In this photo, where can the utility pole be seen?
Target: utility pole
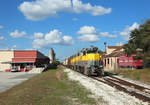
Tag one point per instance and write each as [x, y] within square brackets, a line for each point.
[105, 46]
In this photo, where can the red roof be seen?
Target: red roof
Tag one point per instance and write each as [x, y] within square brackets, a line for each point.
[27, 56]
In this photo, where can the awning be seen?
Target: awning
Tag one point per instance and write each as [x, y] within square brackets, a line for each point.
[8, 62]
[21, 62]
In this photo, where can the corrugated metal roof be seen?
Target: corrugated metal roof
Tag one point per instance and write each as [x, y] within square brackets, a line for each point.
[114, 47]
[115, 54]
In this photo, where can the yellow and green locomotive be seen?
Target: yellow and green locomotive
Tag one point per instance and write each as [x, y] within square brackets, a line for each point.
[87, 61]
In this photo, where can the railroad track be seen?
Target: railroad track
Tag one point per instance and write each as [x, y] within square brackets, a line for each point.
[132, 89]
[139, 92]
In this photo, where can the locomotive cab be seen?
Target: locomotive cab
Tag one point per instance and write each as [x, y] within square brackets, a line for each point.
[94, 65]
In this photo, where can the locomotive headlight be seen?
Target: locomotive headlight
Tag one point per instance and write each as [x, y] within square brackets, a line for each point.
[89, 67]
[101, 66]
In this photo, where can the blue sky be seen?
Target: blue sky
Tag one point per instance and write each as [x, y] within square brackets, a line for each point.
[68, 25]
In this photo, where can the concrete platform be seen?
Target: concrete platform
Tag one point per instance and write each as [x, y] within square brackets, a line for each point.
[10, 79]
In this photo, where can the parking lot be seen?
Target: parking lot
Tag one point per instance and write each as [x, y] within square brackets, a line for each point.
[10, 79]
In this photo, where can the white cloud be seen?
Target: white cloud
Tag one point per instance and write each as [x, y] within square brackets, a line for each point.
[75, 19]
[41, 9]
[39, 43]
[108, 35]
[1, 26]
[17, 34]
[67, 40]
[53, 37]
[14, 47]
[89, 34]
[36, 35]
[2, 38]
[89, 38]
[126, 33]
[87, 30]
[79, 7]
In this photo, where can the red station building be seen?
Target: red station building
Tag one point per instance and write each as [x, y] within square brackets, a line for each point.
[26, 60]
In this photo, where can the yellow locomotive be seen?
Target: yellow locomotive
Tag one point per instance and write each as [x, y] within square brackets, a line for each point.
[87, 61]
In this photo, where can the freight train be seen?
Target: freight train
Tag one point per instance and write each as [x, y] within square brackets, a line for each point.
[88, 61]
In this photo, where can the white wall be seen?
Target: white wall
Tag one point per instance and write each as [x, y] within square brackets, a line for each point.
[5, 56]
[113, 65]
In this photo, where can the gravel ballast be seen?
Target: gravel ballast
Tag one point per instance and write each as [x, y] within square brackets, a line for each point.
[109, 94]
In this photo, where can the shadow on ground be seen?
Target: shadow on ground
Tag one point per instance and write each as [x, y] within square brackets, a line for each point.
[50, 67]
[109, 74]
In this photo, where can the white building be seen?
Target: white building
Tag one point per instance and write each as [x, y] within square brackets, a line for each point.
[5, 57]
[111, 56]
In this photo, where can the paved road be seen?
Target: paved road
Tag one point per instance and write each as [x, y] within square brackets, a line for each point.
[8, 79]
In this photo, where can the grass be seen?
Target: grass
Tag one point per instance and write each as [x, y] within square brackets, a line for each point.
[48, 88]
[142, 75]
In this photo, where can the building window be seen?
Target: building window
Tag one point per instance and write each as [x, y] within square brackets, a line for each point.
[117, 61]
[111, 61]
[105, 62]
[108, 61]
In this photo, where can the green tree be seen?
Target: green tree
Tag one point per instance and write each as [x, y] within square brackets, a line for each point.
[56, 63]
[140, 38]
